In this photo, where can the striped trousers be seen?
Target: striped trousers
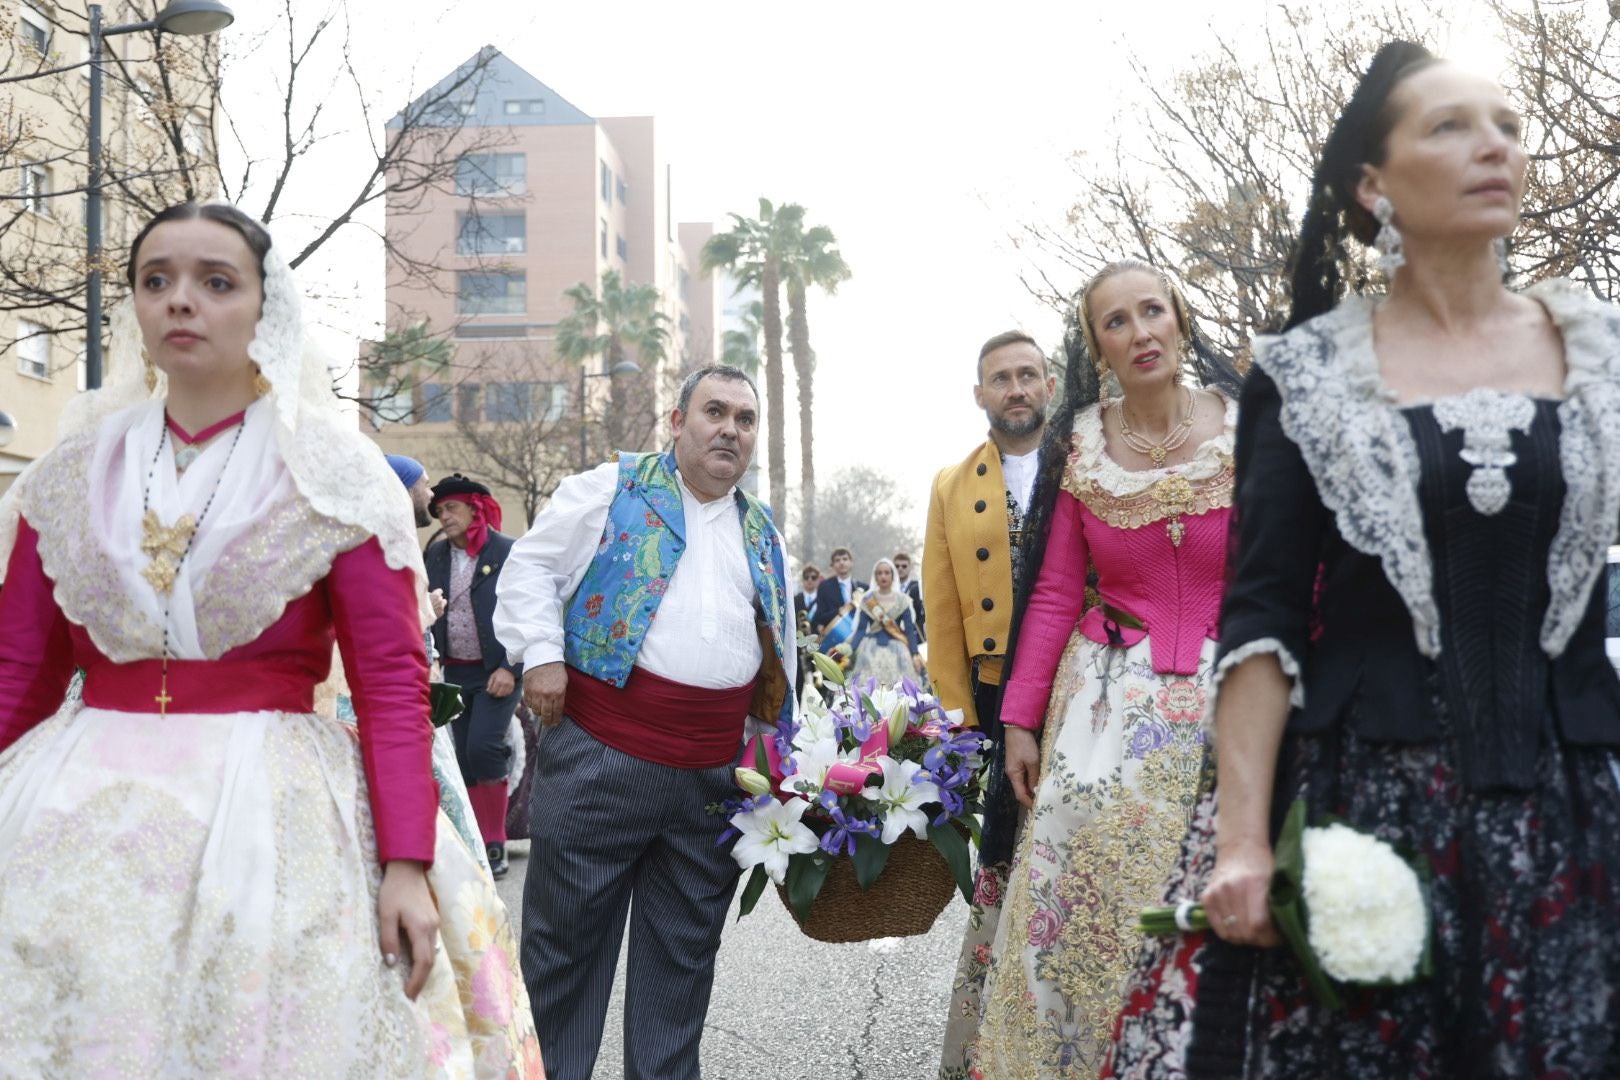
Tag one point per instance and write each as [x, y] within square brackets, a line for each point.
[615, 836]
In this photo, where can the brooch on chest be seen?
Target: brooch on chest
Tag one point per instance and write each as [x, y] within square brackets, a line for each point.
[1168, 499]
[1487, 419]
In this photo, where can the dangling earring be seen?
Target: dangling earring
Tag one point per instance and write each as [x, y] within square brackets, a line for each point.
[1388, 241]
[151, 371]
[1501, 247]
[261, 385]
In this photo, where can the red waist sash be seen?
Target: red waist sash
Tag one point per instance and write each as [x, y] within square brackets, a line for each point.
[201, 686]
[657, 720]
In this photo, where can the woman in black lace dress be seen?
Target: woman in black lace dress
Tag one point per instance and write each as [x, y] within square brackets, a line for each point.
[1411, 640]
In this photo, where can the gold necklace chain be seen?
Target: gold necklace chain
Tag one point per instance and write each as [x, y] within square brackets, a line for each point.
[1157, 452]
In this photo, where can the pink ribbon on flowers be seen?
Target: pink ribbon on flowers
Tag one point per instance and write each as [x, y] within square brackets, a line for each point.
[848, 779]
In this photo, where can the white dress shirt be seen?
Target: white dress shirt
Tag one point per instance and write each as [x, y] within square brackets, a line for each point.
[1018, 471]
[703, 633]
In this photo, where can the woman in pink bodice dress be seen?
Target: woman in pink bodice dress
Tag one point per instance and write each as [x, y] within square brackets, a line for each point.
[1105, 705]
[198, 875]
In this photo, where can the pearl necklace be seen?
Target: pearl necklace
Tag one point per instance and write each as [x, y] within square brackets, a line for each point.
[1157, 452]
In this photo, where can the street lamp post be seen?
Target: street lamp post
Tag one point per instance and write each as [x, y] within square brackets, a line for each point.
[185, 17]
[623, 367]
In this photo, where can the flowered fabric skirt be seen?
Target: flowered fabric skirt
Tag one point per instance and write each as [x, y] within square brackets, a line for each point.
[1525, 893]
[196, 896]
[1044, 962]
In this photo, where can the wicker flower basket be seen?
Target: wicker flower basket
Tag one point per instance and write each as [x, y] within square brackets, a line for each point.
[906, 898]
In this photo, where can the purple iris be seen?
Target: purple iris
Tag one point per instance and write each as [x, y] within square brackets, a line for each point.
[840, 839]
[730, 807]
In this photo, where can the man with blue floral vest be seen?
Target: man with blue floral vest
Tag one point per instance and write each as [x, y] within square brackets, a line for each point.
[649, 605]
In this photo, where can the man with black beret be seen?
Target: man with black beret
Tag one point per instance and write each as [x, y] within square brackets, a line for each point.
[466, 563]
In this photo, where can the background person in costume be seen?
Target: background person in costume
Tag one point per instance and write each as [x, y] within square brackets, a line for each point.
[466, 564]
[885, 642]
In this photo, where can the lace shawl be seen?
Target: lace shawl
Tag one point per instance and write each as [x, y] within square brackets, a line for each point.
[1360, 451]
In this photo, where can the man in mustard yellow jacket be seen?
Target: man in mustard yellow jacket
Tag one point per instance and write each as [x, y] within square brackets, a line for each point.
[975, 525]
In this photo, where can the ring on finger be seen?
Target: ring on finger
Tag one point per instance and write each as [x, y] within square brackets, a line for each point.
[1230, 920]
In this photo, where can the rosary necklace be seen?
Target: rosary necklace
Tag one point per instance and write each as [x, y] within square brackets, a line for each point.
[1157, 452]
[168, 545]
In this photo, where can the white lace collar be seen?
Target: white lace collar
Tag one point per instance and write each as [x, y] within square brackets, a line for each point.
[1337, 409]
[1088, 454]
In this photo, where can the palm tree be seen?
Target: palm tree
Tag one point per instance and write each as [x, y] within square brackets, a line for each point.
[753, 251]
[740, 348]
[609, 323]
[815, 261]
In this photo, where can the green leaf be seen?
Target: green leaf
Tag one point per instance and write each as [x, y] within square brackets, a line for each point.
[871, 856]
[446, 702]
[762, 763]
[1288, 909]
[955, 849]
[751, 891]
[806, 874]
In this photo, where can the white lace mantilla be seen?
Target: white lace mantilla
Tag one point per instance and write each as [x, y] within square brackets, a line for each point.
[1487, 418]
[341, 473]
[1360, 451]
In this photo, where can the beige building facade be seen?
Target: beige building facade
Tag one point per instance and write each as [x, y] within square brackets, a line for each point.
[44, 168]
[546, 198]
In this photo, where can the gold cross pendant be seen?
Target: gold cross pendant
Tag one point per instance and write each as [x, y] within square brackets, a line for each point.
[163, 697]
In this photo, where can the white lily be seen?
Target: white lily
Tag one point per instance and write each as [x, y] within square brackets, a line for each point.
[901, 797]
[770, 834]
[814, 727]
[811, 764]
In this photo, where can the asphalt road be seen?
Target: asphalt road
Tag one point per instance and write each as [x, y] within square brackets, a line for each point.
[789, 1008]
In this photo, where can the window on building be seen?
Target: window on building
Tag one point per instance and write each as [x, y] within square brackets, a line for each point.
[436, 404]
[624, 249]
[467, 106]
[469, 411]
[36, 185]
[607, 184]
[36, 30]
[509, 402]
[604, 239]
[499, 293]
[526, 107]
[556, 396]
[33, 349]
[398, 407]
[491, 174]
[490, 234]
[624, 192]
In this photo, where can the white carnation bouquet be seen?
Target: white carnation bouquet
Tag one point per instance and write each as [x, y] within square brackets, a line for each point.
[1350, 907]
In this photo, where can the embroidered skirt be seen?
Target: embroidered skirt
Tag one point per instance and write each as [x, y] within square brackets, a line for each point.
[1038, 985]
[196, 896]
[1525, 892]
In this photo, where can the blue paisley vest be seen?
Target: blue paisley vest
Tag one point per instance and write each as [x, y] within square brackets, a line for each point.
[609, 614]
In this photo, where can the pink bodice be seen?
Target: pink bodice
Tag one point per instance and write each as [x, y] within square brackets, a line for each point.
[1158, 542]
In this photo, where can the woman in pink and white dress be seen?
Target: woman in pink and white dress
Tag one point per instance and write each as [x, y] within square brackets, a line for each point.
[1104, 744]
[198, 875]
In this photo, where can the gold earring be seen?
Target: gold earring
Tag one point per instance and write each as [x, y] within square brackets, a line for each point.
[151, 371]
[261, 385]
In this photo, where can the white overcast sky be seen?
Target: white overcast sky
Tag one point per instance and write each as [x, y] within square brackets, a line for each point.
[923, 134]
